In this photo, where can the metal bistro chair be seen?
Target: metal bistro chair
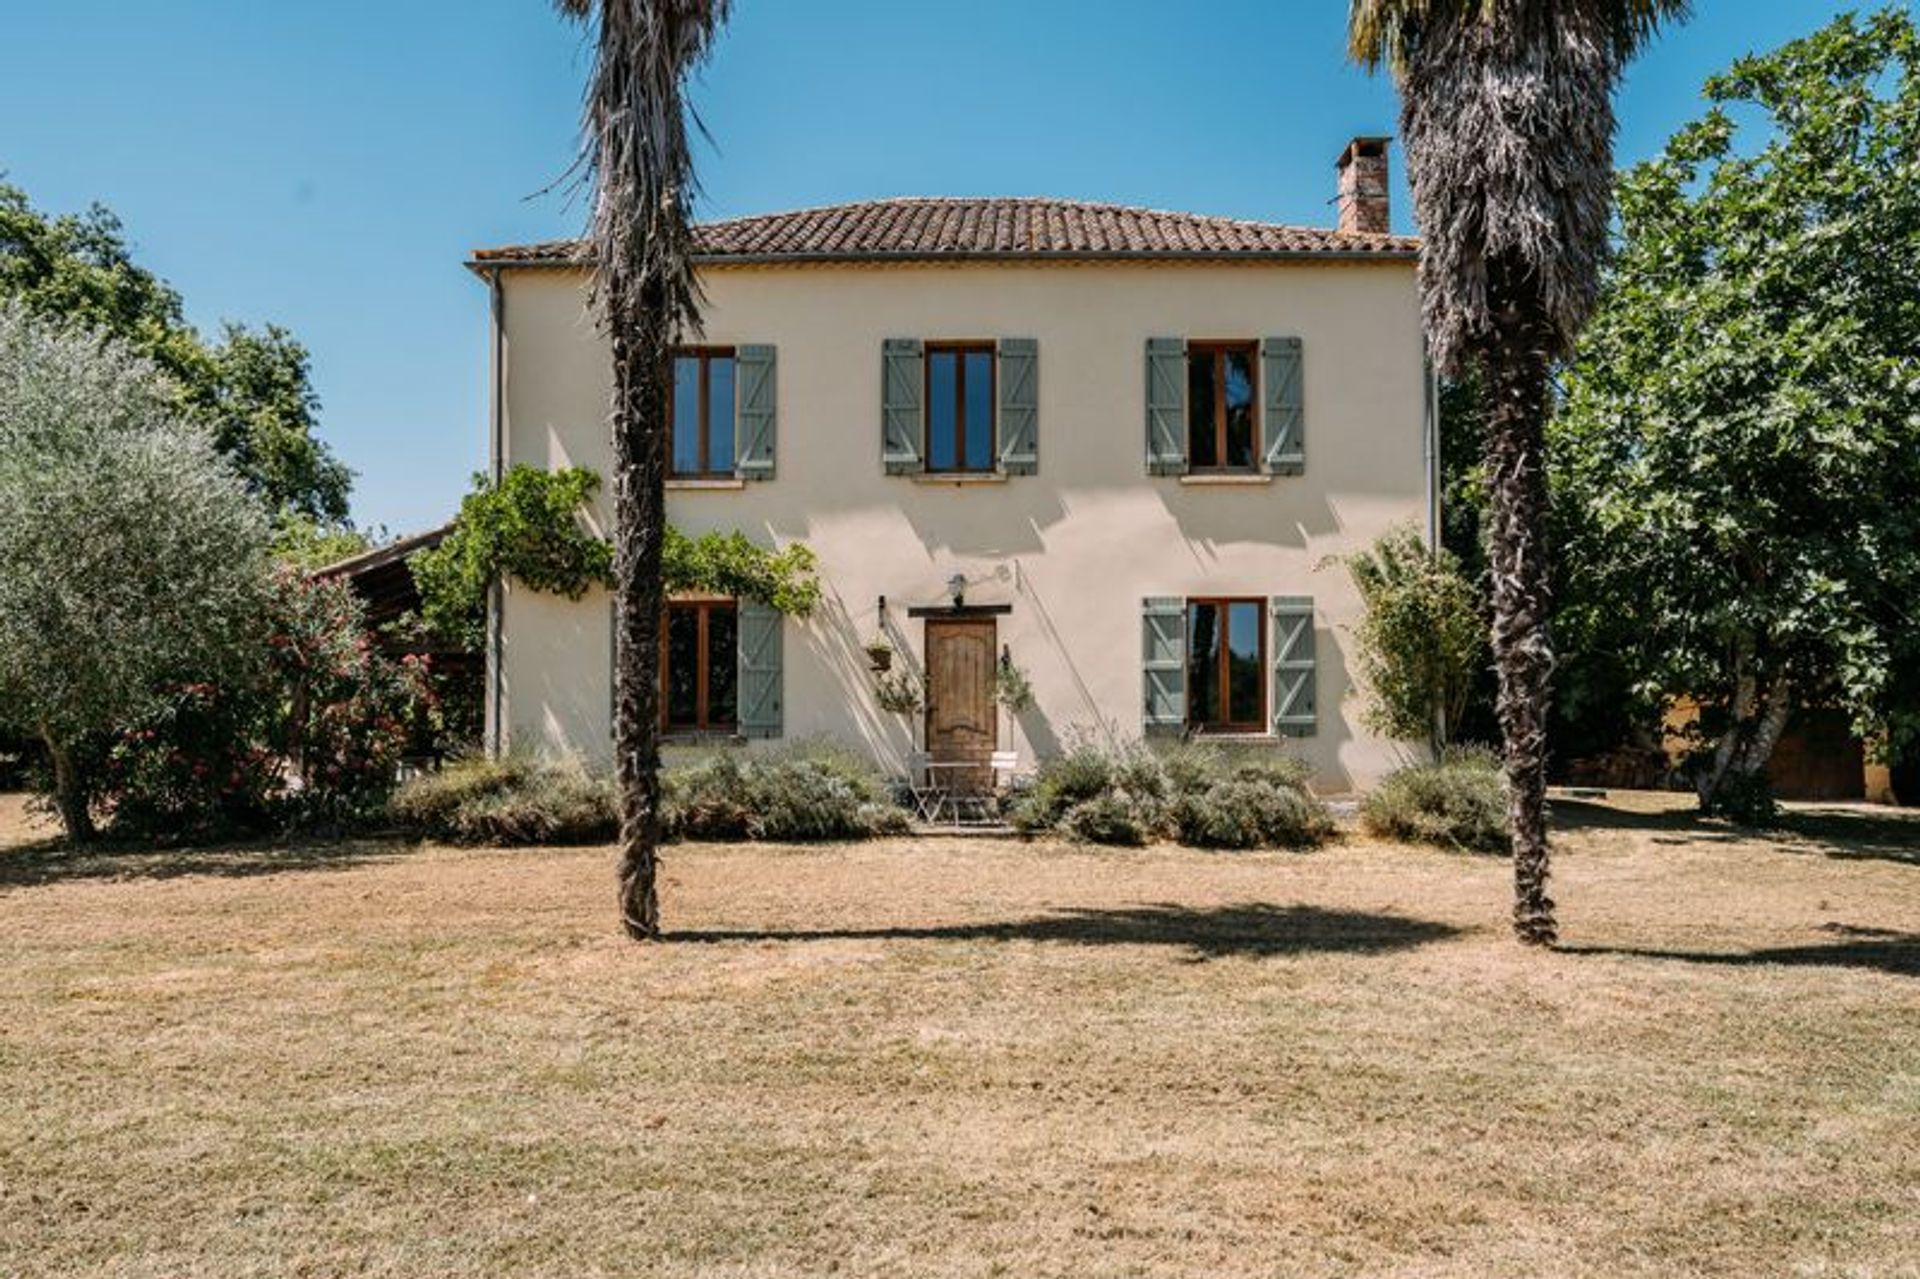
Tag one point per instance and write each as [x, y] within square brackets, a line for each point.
[928, 796]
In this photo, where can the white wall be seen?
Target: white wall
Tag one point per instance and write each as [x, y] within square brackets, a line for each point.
[1072, 549]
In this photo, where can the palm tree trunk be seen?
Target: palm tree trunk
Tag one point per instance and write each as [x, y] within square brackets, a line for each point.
[640, 353]
[1514, 364]
[69, 791]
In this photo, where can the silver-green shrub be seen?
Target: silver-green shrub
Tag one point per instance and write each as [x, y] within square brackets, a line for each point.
[130, 551]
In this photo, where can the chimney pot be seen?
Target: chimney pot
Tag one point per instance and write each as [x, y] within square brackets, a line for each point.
[1364, 204]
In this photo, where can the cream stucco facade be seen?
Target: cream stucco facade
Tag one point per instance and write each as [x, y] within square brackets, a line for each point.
[1072, 550]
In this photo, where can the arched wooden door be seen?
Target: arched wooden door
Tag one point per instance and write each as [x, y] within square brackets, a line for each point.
[962, 728]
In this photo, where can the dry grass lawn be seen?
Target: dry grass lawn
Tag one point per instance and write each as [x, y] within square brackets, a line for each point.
[962, 1058]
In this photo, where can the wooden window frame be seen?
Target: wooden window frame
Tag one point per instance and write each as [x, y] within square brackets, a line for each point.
[703, 609]
[1216, 349]
[1223, 605]
[960, 350]
[704, 415]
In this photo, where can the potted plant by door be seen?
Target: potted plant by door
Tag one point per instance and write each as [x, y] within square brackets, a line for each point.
[879, 654]
[899, 693]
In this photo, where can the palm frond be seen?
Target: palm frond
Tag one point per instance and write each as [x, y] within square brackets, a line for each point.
[1385, 31]
[635, 156]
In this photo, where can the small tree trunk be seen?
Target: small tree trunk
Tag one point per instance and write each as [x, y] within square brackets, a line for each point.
[70, 794]
[640, 353]
[1773, 722]
[1745, 691]
[1515, 370]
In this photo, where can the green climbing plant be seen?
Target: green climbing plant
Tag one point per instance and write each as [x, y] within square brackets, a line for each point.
[529, 527]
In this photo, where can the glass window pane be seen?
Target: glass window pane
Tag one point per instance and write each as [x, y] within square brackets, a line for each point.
[979, 407]
[720, 414]
[942, 429]
[1203, 664]
[683, 668]
[722, 669]
[686, 414]
[1239, 389]
[1244, 663]
[1202, 443]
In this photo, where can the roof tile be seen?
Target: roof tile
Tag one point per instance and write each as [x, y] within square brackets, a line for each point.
[927, 229]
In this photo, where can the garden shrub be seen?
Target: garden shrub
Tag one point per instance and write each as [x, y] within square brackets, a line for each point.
[1108, 818]
[1201, 793]
[1460, 803]
[310, 733]
[1252, 812]
[808, 792]
[513, 800]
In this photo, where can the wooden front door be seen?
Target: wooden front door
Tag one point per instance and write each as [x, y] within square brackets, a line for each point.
[962, 727]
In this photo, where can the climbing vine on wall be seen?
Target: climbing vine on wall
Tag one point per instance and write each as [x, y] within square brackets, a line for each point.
[528, 527]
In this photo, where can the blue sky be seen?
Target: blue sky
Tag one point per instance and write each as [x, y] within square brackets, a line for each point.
[328, 166]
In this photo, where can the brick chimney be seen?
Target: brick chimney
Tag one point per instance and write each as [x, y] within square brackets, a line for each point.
[1363, 186]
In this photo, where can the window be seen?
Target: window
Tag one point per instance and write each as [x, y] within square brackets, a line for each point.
[1227, 665]
[701, 413]
[959, 406]
[1220, 405]
[698, 676]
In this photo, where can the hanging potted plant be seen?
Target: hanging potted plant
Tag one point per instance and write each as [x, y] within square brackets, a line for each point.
[1011, 687]
[879, 654]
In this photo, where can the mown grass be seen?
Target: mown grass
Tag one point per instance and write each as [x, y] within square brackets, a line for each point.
[963, 1058]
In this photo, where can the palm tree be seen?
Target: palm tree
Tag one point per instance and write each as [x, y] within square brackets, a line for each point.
[1506, 112]
[639, 169]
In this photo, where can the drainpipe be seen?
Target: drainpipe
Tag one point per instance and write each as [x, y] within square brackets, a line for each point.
[1430, 448]
[497, 464]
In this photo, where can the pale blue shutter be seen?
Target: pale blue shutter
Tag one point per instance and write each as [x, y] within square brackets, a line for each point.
[1283, 424]
[760, 675]
[1290, 641]
[1164, 663]
[901, 374]
[1166, 406]
[1019, 378]
[753, 433]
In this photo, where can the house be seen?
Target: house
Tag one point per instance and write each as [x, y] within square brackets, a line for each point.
[1110, 447]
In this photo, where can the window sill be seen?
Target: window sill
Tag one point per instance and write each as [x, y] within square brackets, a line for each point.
[697, 485]
[959, 479]
[695, 737]
[1226, 480]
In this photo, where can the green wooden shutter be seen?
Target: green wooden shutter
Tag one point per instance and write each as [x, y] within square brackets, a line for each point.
[1290, 640]
[760, 676]
[900, 398]
[1166, 406]
[753, 428]
[1019, 378]
[1164, 663]
[1284, 421]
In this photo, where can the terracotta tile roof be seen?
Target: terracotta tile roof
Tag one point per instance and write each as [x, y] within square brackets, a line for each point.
[921, 229]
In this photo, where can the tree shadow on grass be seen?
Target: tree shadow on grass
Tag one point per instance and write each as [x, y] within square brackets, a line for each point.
[1847, 833]
[53, 861]
[1877, 949]
[1253, 929]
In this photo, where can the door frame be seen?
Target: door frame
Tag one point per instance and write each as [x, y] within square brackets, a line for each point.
[967, 619]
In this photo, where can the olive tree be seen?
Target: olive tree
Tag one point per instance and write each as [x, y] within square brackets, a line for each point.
[129, 550]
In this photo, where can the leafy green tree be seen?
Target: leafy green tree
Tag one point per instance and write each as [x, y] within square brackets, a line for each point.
[1422, 641]
[1739, 455]
[1506, 111]
[129, 549]
[302, 542]
[252, 389]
